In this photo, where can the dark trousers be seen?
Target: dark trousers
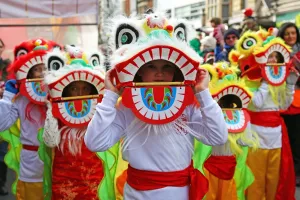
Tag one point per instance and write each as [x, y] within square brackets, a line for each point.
[3, 167]
[293, 125]
[3, 171]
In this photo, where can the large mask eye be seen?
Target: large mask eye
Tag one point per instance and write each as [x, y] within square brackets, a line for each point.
[94, 60]
[180, 32]
[248, 43]
[21, 52]
[55, 63]
[126, 34]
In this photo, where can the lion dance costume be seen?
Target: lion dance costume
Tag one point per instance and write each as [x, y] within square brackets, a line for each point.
[29, 106]
[226, 168]
[158, 121]
[76, 171]
[272, 163]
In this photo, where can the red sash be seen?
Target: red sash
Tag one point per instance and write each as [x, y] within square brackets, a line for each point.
[287, 182]
[150, 180]
[267, 118]
[30, 147]
[222, 167]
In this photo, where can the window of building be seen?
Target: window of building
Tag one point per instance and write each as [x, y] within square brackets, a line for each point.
[192, 11]
[212, 9]
[169, 13]
[226, 10]
[243, 4]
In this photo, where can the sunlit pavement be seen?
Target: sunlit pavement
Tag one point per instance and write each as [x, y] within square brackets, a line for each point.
[11, 176]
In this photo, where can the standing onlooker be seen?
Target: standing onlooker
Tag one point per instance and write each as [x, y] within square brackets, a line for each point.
[3, 62]
[3, 145]
[208, 45]
[208, 42]
[196, 44]
[230, 37]
[249, 22]
[219, 30]
[290, 34]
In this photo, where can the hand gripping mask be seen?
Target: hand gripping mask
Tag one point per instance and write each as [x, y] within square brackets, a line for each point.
[139, 42]
[28, 55]
[74, 110]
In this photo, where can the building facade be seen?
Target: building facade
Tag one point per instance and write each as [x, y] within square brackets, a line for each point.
[286, 11]
[137, 6]
[218, 8]
[278, 11]
[238, 7]
[192, 10]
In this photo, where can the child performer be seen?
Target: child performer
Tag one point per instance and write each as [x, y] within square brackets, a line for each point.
[24, 98]
[226, 167]
[265, 60]
[76, 86]
[157, 75]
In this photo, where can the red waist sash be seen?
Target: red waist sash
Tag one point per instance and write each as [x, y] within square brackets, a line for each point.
[222, 167]
[150, 180]
[267, 118]
[30, 147]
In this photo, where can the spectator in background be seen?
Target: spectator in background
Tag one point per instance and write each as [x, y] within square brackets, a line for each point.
[230, 37]
[219, 30]
[208, 45]
[3, 62]
[290, 34]
[249, 22]
[3, 145]
[196, 44]
[209, 56]
[208, 42]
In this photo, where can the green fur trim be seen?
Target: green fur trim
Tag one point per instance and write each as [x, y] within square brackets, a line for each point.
[45, 154]
[243, 176]
[12, 158]
[106, 190]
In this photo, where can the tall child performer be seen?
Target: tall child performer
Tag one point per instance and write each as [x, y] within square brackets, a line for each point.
[24, 98]
[264, 59]
[75, 85]
[157, 75]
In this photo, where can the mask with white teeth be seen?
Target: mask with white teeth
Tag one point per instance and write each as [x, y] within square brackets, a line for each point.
[137, 42]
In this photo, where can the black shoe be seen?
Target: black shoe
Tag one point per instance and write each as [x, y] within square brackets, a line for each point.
[3, 191]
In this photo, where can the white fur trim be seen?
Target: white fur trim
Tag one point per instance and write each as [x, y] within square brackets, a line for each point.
[51, 134]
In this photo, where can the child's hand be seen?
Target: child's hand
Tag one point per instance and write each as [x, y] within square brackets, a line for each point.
[108, 82]
[11, 86]
[202, 81]
[293, 76]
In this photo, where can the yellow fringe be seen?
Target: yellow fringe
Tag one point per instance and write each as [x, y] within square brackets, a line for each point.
[278, 93]
[236, 148]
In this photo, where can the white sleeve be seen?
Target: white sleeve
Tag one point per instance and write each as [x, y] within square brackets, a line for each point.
[260, 96]
[208, 121]
[289, 96]
[107, 126]
[8, 111]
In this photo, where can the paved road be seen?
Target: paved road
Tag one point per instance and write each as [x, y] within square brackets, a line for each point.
[11, 197]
